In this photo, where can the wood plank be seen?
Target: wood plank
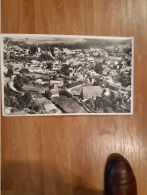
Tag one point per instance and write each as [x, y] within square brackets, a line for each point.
[10, 10]
[26, 156]
[89, 17]
[6, 156]
[49, 17]
[8, 192]
[74, 17]
[55, 135]
[26, 16]
[107, 18]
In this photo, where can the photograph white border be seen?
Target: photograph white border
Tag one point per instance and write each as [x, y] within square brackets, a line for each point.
[67, 36]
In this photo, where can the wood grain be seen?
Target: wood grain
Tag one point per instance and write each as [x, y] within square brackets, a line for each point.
[49, 17]
[8, 192]
[67, 154]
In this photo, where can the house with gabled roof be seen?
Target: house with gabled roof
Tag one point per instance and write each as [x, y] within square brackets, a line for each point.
[91, 92]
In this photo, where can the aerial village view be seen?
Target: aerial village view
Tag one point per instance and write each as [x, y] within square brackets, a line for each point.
[56, 75]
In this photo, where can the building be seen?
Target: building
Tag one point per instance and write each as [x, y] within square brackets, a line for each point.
[35, 62]
[113, 73]
[67, 51]
[91, 92]
[56, 84]
[116, 86]
[54, 93]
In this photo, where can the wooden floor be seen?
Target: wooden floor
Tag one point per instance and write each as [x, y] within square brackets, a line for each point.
[66, 155]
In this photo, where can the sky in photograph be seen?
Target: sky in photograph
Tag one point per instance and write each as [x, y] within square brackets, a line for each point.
[39, 40]
[68, 40]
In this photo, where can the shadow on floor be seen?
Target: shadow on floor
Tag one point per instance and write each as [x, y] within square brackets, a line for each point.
[50, 179]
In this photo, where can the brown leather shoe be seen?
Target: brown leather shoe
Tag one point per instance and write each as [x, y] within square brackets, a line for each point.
[119, 177]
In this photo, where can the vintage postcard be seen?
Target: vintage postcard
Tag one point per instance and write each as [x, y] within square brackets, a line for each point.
[66, 75]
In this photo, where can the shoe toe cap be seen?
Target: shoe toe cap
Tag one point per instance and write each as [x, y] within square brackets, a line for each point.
[121, 172]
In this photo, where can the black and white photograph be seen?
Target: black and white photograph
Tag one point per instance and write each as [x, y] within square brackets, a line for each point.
[66, 75]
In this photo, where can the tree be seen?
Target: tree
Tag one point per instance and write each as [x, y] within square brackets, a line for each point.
[65, 69]
[52, 51]
[45, 46]
[124, 79]
[98, 68]
[33, 49]
[97, 82]
[35, 106]
[65, 93]
[27, 98]
[10, 72]
[48, 94]
[24, 71]
[49, 65]
[5, 55]
[12, 56]
[127, 50]
[18, 82]
[98, 103]
[61, 58]
[6, 39]
[45, 57]
[129, 62]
